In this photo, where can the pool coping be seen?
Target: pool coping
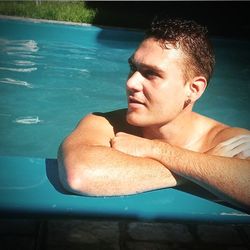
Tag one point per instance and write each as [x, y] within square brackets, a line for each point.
[37, 20]
[24, 180]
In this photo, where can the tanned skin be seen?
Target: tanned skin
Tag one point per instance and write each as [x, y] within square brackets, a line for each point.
[158, 141]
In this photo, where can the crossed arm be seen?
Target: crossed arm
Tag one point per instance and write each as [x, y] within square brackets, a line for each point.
[94, 164]
[89, 165]
[223, 170]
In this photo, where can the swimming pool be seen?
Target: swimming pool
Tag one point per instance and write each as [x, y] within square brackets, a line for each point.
[53, 74]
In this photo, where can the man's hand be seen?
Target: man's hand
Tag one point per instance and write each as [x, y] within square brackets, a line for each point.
[132, 145]
[238, 147]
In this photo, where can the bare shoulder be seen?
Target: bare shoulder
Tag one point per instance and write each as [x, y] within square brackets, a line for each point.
[231, 142]
[94, 129]
[117, 119]
[92, 122]
[226, 133]
[99, 128]
[217, 132]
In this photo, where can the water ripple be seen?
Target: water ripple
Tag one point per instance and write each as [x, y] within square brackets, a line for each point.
[19, 70]
[27, 120]
[24, 63]
[15, 82]
[24, 54]
[19, 45]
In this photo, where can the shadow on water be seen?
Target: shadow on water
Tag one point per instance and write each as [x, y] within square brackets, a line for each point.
[194, 189]
[53, 175]
[135, 14]
[189, 187]
[119, 38]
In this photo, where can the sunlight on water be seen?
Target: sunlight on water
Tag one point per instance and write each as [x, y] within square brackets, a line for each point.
[15, 82]
[50, 77]
[28, 120]
[18, 70]
[19, 45]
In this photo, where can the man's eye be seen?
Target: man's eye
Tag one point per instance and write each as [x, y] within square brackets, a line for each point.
[149, 74]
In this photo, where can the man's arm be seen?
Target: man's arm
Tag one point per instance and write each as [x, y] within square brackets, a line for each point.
[227, 177]
[88, 165]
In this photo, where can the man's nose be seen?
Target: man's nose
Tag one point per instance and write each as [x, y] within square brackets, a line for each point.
[134, 82]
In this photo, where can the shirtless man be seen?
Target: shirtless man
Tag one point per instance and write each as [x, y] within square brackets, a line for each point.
[159, 142]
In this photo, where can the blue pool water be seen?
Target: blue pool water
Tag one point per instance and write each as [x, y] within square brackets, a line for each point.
[51, 75]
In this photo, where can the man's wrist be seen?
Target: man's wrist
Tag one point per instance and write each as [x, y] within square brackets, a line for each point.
[159, 149]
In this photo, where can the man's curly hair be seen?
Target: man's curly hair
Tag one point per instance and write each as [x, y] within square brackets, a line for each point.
[191, 38]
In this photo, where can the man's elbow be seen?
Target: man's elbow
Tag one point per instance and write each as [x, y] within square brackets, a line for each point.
[71, 180]
[71, 175]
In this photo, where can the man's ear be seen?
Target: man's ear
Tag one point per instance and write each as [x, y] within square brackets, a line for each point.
[197, 87]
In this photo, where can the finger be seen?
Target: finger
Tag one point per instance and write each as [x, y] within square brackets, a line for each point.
[120, 134]
[113, 142]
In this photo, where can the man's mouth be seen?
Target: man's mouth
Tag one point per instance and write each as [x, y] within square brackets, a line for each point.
[135, 102]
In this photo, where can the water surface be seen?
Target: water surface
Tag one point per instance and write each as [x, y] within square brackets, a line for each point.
[51, 75]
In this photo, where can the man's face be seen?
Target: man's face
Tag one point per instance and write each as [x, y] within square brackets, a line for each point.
[156, 89]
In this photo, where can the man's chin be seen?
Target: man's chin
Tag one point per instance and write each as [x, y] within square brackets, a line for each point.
[133, 119]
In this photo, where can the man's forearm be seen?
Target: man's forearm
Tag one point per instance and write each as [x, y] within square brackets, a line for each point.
[224, 176]
[100, 171]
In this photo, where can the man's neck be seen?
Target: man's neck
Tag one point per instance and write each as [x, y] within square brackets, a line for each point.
[181, 132]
